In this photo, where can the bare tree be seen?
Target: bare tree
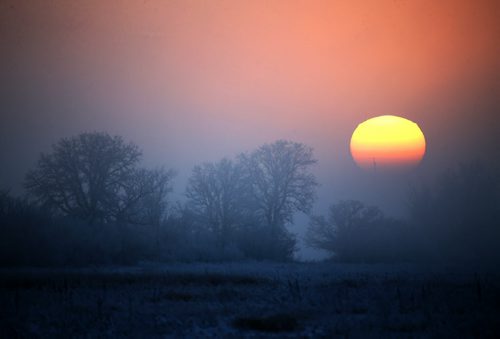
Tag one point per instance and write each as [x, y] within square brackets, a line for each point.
[280, 181]
[94, 176]
[279, 184]
[144, 199]
[214, 193]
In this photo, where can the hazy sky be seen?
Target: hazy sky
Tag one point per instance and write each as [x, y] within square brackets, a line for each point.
[193, 81]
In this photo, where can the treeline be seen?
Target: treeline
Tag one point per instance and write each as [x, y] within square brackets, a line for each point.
[90, 202]
[456, 219]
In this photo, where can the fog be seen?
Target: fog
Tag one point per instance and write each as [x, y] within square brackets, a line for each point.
[183, 169]
[191, 83]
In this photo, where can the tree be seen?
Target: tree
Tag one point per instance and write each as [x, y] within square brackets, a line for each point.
[214, 193]
[280, 184]
[280, 181]
[149, 205]
[334, 233]
[355, 232]
[144, 201]
[94, 177]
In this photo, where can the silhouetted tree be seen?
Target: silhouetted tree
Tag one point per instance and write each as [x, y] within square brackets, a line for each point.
[334, 234]
[94, 177]
[355, 232]
[214, 191]
[280, 180]
[280, 183]
[145, 197]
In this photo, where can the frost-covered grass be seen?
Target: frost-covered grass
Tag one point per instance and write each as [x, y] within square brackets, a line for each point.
[249, 299]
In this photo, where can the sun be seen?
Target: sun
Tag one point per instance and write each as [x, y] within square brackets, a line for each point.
[387, 142]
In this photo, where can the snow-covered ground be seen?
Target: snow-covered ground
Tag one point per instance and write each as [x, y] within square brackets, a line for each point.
[249, 300]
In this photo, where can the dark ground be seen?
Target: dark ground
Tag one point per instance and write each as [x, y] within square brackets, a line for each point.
[250, 300]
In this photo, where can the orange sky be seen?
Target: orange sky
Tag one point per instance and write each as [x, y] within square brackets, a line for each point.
[192, 81]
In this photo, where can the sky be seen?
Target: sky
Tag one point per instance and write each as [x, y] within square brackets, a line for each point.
[195, 81]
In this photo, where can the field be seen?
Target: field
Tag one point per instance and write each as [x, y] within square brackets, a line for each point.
[249, 300]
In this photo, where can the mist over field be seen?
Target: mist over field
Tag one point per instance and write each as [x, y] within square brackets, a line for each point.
[185, 169]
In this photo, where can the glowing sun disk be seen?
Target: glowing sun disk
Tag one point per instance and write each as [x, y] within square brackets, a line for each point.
[388, 142]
